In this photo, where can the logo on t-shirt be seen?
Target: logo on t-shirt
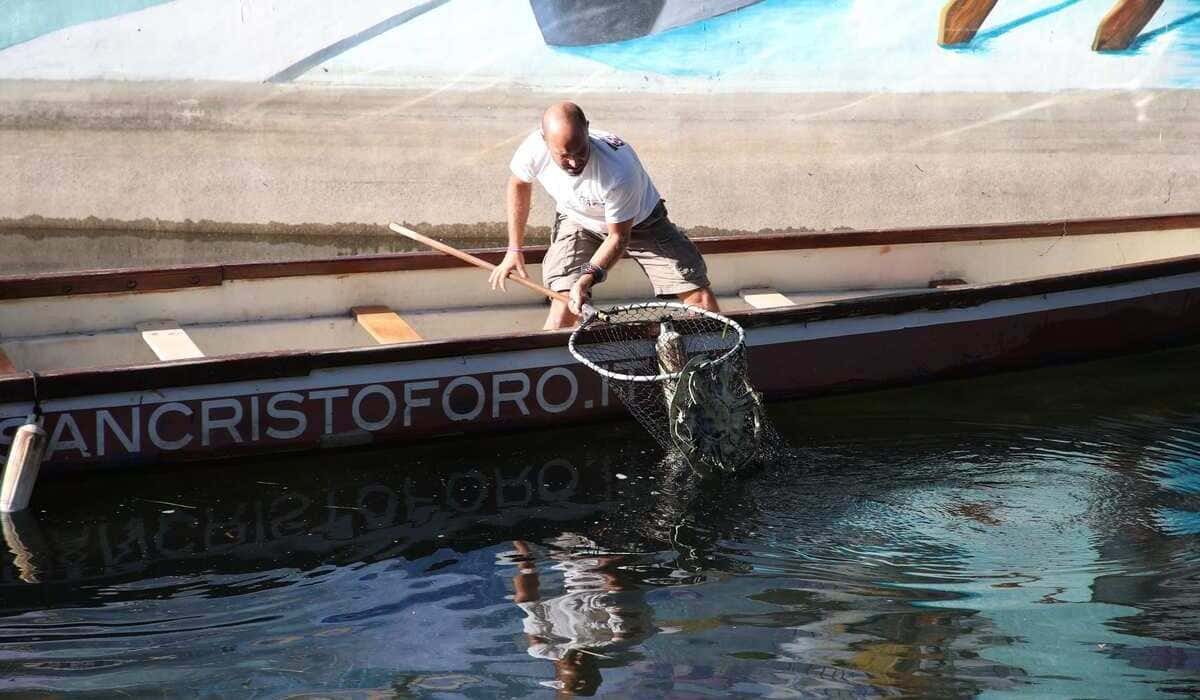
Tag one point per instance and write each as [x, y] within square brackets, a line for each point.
[588, 202]
[614, 142]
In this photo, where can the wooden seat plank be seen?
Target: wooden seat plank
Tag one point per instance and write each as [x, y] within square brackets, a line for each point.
[168, 341]
[764, 298]
[384, 325]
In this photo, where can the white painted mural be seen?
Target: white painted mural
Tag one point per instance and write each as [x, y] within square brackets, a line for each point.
[668, 45]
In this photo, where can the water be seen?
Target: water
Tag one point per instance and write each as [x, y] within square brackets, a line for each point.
[1031, 535]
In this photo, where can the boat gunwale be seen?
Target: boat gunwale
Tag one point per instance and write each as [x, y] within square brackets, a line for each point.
[138, 280]
[75, 382]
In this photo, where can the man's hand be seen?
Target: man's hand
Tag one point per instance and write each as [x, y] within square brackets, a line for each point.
[518, 199]
[512, 261]
[581, 293]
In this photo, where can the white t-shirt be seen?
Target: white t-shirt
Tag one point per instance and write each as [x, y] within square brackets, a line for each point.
[587, 615]
[612, 188]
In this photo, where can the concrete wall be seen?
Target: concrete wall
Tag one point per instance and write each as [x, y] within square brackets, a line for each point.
[214, 118]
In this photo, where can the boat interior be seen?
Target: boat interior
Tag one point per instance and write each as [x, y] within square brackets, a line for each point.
[136, 317]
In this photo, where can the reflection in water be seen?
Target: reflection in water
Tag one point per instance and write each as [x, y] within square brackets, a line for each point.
[1025, 534]
[597, 613]
[23, 537]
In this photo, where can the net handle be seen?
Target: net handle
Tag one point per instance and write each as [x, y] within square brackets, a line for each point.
[588, 309]
[728, 322]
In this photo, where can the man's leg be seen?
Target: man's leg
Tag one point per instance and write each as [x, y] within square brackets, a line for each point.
[703, 297]
[570, 247]
[671, 261]
[559, 317]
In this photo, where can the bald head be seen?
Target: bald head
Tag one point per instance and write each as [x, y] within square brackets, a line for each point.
[565, 130]
[563, 116]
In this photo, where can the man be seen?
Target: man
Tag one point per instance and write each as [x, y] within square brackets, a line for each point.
[601, 612]
[606, 206]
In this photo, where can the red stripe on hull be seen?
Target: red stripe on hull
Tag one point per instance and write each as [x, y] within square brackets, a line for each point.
[971, 348]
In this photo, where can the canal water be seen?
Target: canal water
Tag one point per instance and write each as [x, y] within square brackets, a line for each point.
[1025, 535]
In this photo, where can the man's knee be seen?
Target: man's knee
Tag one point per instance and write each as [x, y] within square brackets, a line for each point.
[559, 317]
[702, 297]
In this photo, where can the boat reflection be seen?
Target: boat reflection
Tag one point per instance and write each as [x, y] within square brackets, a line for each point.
[300, 513]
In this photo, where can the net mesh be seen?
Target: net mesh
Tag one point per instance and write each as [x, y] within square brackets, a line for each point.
[681, 371]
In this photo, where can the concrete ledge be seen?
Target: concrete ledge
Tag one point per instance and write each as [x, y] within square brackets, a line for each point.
[289, 162]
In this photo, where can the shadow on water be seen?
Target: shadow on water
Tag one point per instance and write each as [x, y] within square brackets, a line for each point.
[944, 540]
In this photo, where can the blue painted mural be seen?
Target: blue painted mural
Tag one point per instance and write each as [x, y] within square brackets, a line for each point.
[656, 45]
[769, 32]
[832, 43]
[585, 22]
[22, 20]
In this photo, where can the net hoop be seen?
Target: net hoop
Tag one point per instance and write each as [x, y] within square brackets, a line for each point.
[669, 376]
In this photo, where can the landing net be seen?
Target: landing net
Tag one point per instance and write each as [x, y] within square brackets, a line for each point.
[681, 371]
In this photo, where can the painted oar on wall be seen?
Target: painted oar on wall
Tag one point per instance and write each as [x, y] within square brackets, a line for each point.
[588, 309]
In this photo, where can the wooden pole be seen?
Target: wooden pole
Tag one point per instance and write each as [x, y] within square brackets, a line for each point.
[21, 471]
[961, 19]
[1123, 23]
[586, 308]
[471, 259]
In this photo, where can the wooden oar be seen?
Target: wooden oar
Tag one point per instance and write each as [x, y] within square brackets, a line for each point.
[588, 309]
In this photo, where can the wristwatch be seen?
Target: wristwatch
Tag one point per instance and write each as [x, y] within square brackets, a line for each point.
[597, 272]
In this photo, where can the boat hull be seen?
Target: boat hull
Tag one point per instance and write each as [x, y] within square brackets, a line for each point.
[232, 407]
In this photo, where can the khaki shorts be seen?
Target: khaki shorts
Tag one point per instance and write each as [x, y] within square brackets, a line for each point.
[668, 258]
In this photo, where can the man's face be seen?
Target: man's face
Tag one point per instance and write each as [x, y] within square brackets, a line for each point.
[578, 673]
[571, 153]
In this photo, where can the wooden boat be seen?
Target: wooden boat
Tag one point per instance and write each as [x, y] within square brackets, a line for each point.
[143, 366]
[587, 22]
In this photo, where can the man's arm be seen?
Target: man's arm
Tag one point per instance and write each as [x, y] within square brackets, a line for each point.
[614, 245]
[606, 256]
[526, 585]
[519, 196]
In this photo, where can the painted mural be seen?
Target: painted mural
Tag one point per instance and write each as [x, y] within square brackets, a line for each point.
[22, 20]
[657, 45]
[585, 22]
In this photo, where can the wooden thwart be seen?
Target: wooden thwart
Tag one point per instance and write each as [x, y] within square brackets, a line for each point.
[1123, 23]
[168, 340]
[384, 325]
[960, 20]
[764, 298]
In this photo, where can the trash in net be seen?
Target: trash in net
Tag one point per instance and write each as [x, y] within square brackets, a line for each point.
[681, 371]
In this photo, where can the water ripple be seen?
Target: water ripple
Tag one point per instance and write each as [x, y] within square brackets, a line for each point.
[947, 541]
